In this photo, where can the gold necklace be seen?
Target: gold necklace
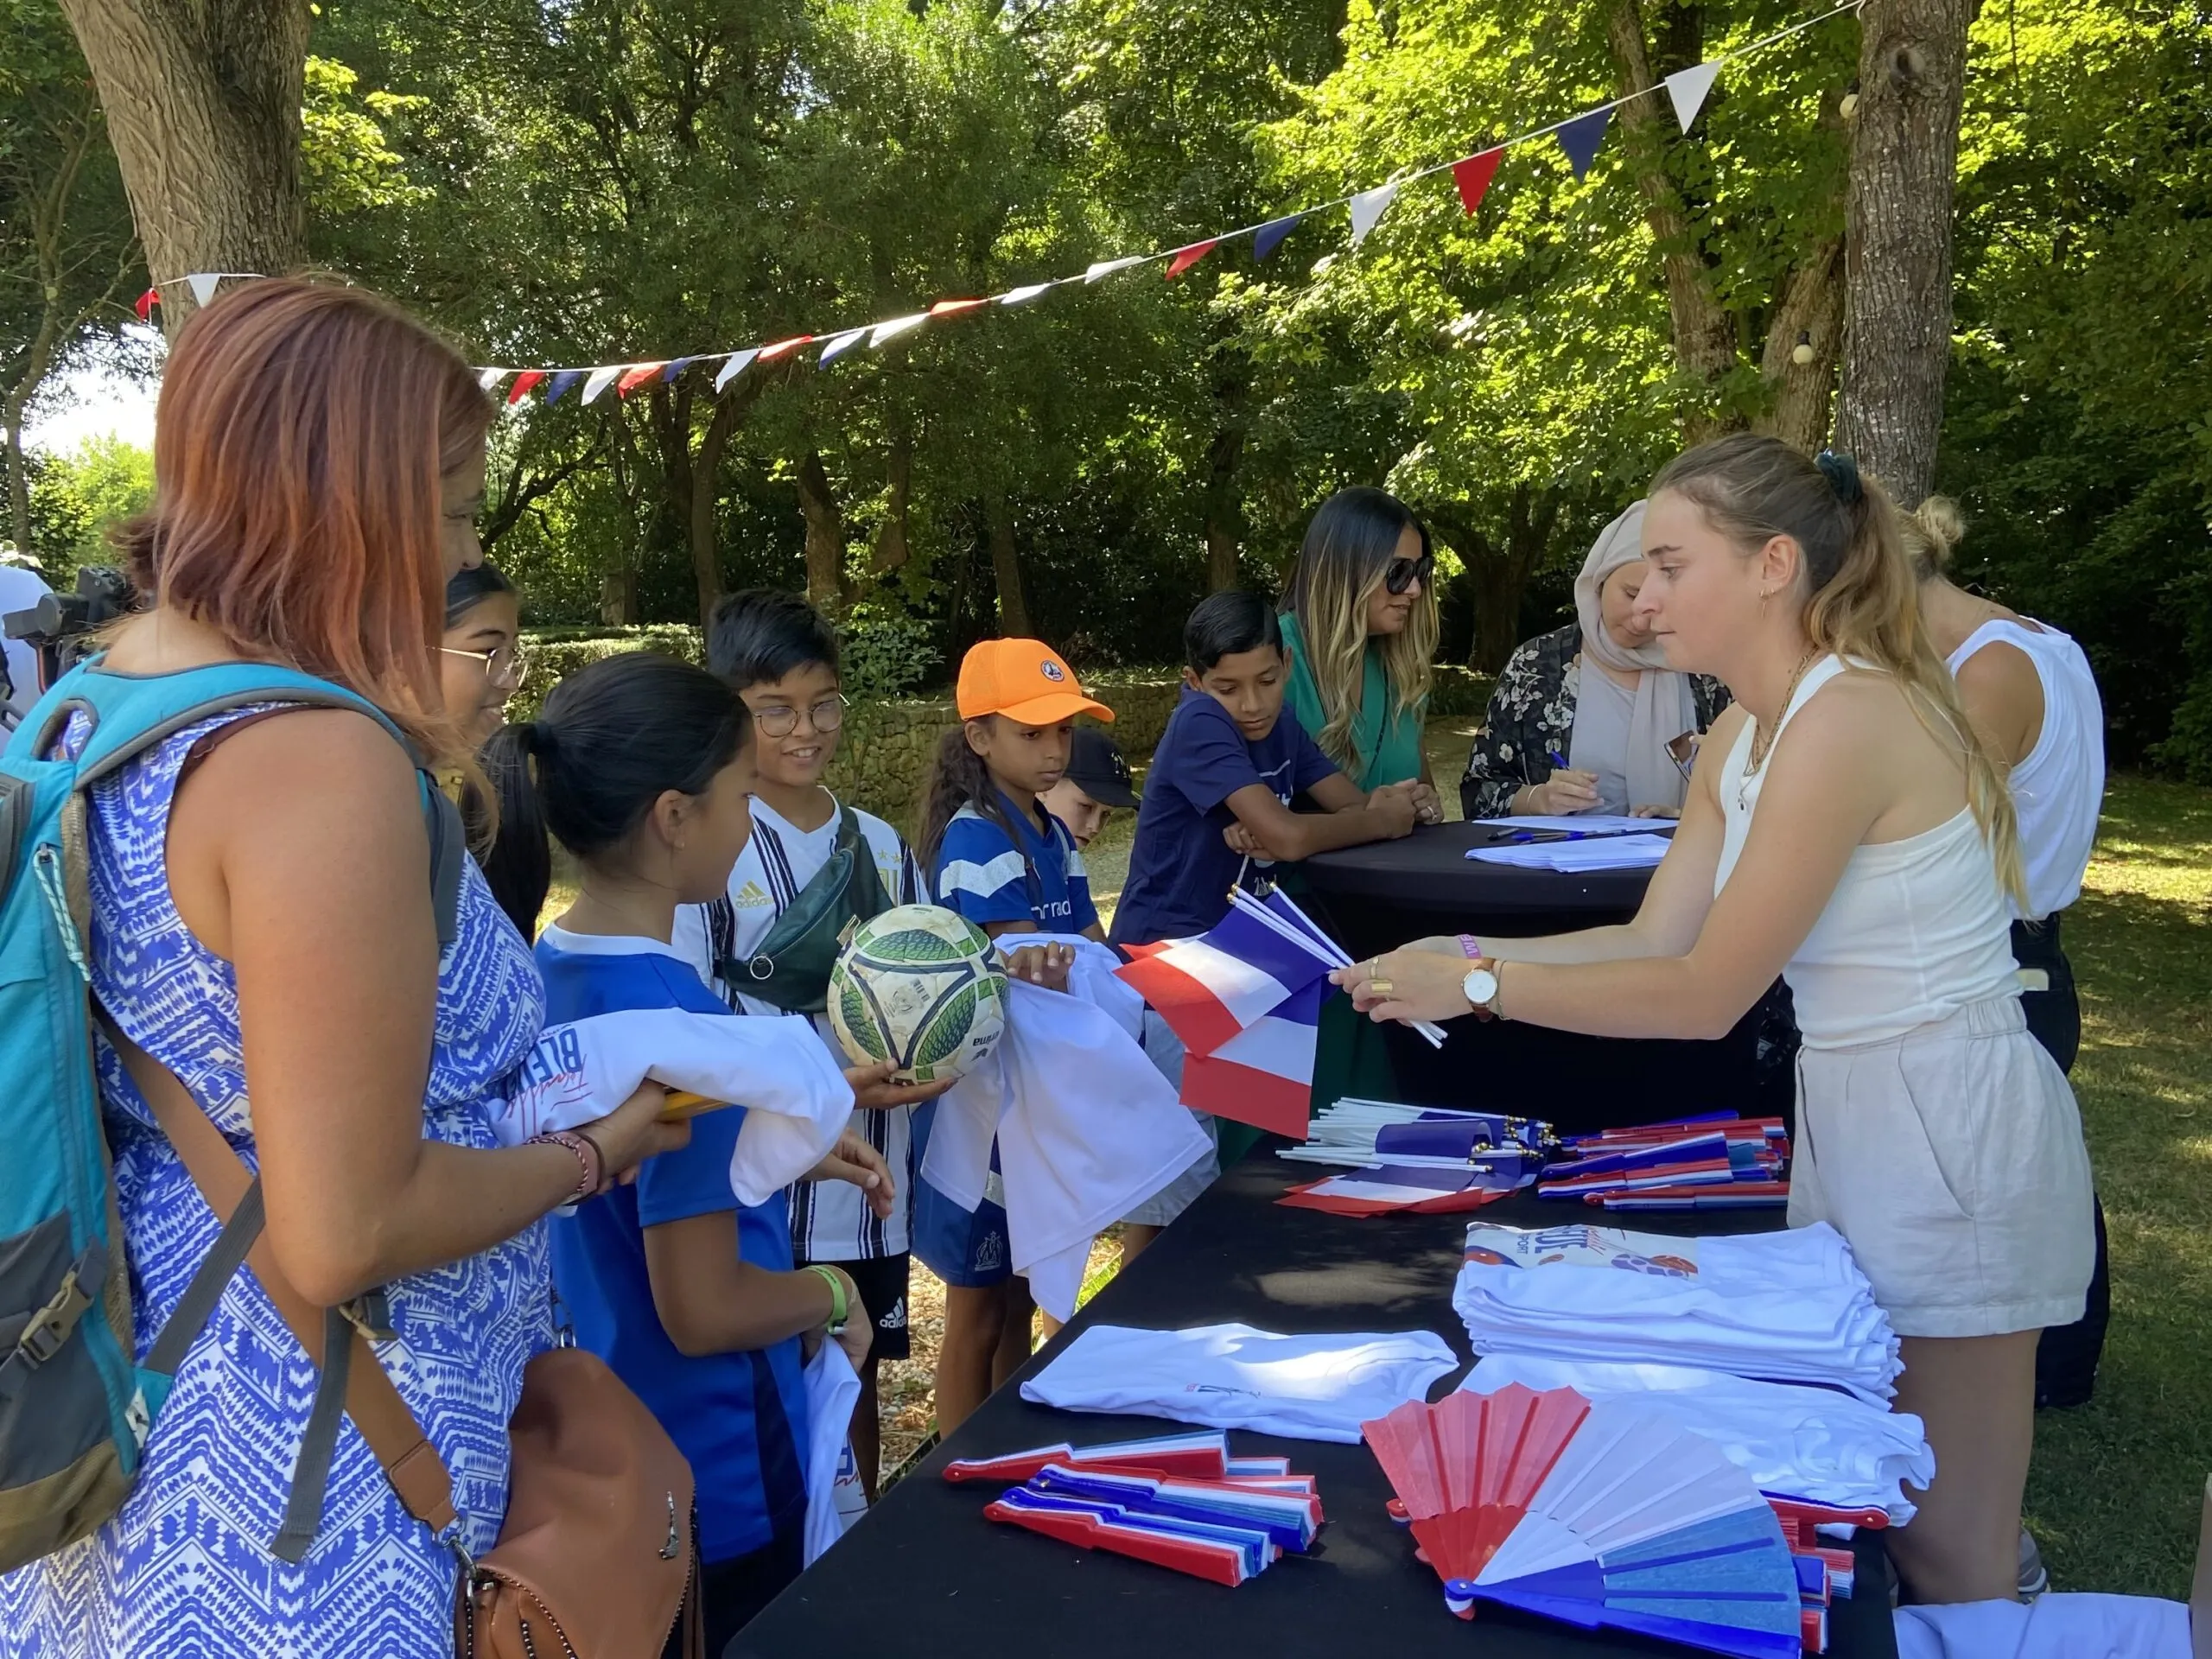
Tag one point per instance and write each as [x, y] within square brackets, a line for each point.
[1760, 750]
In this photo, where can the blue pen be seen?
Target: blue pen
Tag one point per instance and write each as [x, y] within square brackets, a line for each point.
[1558, 760]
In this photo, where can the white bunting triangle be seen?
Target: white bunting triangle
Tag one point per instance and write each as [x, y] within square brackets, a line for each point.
[202, 285]
[1107, 267]
[1687, 88]
[837, 344]
[1023, 295]
[738, 362]
[601, 379]
[1367, 207]
[491, 377]
[892, 329]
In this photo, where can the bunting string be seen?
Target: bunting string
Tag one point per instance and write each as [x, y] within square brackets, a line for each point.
[1579, 137]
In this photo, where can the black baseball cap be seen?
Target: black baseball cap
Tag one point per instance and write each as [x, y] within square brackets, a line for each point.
[1095, 766]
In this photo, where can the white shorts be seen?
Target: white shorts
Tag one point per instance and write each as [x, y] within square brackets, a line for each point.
[1951, 1158]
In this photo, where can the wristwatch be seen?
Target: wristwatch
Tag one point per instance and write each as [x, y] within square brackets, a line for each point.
[1480, 986]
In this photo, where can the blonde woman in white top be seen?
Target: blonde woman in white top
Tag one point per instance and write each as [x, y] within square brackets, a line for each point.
[1844, 827]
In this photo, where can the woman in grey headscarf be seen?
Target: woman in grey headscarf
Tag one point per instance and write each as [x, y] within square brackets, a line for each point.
[1597, 694]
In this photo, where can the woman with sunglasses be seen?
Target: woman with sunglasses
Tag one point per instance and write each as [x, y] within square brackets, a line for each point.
[1359, 627]
[1589, 718]
[480, 658]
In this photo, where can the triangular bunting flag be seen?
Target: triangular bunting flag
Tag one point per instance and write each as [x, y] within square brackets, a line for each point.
[1580, 137]
[561, 382]
[1473, 175]
[896, 327]
[837, 344]
[202, 285]
[1023, 295]
[602, 378]
[1107, 267]
[1269, 236]
[675, 366]
[1185, 257]
[736, 364]
[147, 302]
[1367, 207]
[523, 381]
[1687, 88]
[633, 376]
[783, 348]
[951, 308]
[490, 378]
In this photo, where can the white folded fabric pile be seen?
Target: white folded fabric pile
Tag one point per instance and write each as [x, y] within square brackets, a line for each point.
[1790, 1306]
[1812, 1443]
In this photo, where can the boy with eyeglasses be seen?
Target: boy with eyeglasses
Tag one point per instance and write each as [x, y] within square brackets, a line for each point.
[766, 946]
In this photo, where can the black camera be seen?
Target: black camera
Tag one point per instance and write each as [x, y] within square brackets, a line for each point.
[60, 627]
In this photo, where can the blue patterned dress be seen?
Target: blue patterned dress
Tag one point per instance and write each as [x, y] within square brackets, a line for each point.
[183, 1570]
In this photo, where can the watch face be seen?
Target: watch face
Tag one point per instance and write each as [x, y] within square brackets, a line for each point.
[1480, 986]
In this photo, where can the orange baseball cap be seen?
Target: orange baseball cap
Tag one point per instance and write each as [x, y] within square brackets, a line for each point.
[1026, 680]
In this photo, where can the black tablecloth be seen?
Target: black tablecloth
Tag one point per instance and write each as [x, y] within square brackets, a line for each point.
[925, 1575]
[1375, 898]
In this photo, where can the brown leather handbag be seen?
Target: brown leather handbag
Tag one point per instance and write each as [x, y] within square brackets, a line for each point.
[596, 1559]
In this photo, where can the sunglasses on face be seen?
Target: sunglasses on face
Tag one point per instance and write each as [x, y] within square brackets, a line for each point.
[502, 664]
[1403, 572]
[781, 720]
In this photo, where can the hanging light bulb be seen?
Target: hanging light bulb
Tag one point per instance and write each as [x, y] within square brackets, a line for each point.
[1849, 106]
[1801, 352]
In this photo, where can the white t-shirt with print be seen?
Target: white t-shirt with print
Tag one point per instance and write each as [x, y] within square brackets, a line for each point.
[830, 1220]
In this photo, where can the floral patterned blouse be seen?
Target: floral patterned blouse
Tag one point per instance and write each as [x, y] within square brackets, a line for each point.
[1531, 716]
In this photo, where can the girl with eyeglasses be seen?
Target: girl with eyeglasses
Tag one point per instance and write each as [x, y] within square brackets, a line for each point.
[1359, 627]
[479, 655]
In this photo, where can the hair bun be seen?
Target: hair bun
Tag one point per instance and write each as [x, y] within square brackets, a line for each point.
[1842, 474]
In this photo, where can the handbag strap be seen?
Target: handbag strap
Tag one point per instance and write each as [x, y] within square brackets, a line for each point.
[349, 1367]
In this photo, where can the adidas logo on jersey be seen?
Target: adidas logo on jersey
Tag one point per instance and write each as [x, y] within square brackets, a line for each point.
[751, 896]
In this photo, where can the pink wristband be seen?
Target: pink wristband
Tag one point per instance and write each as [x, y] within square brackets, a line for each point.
[1471, 947]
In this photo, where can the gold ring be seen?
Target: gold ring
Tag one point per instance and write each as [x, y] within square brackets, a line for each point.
[1380, 988]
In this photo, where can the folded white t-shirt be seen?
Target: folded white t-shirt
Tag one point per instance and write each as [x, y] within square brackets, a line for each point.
[1087, 1127]
[1816, 1444]
[1233, 1376]
[832, 1388]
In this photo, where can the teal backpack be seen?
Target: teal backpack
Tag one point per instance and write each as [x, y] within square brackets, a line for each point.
[74, 1408]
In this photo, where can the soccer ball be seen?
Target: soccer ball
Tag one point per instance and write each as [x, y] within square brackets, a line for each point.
[920, 986]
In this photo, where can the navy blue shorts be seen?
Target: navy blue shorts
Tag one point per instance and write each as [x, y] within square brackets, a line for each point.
[966, 1248]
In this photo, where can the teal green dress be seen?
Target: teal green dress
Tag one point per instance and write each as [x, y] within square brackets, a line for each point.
[1385, 739]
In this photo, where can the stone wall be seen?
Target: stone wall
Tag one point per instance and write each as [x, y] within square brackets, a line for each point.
[885, 757]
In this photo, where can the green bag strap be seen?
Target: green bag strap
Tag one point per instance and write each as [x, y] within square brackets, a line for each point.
[790, 968]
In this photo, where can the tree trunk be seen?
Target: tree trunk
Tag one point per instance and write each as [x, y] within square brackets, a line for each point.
[1499, 576]
[1224, 518]
[1006, 569]
[825, 532]
[203, 105]
[892, 547]
[618, 597]
[1809, 311]
[1897, 336]
[1705, 335]
[19, 483]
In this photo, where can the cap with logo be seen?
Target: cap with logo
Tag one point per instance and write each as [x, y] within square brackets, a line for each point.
[1096, 768]
[1026, 680]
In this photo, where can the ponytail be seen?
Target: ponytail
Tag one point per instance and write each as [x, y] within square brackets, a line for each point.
[1930, 531]
[613, 739]
[957, 778]
[1862, 599]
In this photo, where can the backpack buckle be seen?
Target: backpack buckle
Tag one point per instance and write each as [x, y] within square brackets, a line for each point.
[50, 1327]
[370, 1313]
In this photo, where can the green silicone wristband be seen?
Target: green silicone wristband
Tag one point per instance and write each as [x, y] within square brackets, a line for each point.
[838, 1309]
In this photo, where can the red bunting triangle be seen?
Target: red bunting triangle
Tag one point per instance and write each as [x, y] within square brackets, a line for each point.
[1473, 175]
[946, 308]
[523, 381]
[782, 348]
[1185, 257]
[637, 376]
[147, 302]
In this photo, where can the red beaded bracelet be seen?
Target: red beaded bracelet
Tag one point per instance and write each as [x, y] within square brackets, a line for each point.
[591, 1166]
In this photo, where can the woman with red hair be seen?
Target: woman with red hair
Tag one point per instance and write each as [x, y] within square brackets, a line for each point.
[263, 929]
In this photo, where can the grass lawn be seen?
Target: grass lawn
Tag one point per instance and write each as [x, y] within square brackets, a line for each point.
[2116, 1492]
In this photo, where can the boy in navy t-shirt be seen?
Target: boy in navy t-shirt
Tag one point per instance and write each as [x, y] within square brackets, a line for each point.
[1224, 776]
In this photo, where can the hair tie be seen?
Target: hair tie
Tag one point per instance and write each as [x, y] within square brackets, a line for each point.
[1842, 474]
[536, 737]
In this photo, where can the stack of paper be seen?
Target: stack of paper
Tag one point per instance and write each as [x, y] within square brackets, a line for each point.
[1787, 1306]
[1605, 852]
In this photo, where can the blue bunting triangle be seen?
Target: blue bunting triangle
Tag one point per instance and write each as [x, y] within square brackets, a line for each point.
[1269, 236]
[560, 382]
[1580, 137]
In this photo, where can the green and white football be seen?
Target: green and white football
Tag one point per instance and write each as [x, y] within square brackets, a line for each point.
[920, 986]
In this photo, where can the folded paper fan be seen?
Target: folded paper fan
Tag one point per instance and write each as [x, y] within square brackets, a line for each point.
[1640, 1526]
[1202, 1456]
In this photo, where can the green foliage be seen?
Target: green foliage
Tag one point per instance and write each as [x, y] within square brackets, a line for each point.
[884, 653]
[76, 498]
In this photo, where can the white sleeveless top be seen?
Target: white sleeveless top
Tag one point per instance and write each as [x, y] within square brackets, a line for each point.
[2059, 785]
[1914, 929]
